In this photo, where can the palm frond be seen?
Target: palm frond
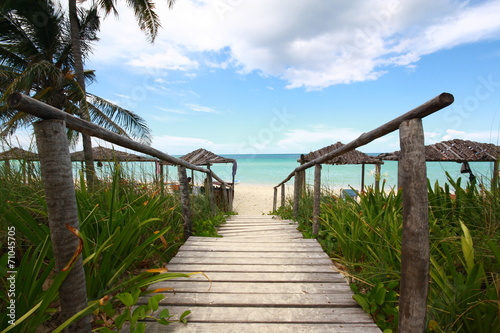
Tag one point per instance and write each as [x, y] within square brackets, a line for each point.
[132, 123]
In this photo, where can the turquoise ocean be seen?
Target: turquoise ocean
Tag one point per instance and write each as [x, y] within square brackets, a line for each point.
[271, 169]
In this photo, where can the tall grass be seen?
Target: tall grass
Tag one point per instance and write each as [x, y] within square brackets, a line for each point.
[364, 238]
[126, 229]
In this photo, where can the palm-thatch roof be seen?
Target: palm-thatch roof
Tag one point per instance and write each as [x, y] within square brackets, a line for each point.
[352, 157]
[18, 154]
[455, 151]
[105, 154]
[204, 157]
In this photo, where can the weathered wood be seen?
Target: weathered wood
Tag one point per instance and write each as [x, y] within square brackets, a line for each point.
[377, 177]
[270, 315]
[296, 195]
[429, 107]
[494, 180]
[278, 300]
[56, 170]
[275, 199]
[251, 248]
[415, 240]
[256, 288]
[282, 195]
[39, 109]
[186, 208]
[225, 205]
[268, 277]
[194, 327]
[210, 192]
[252, 261]
[362, 177]
[317, 198]
[249, 268]
[268, 285]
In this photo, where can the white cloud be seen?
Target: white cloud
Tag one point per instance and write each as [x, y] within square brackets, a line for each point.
[199, 108]
[169, 58]
[176, 145]
[177, 111]
[312, 44]
[481, 136]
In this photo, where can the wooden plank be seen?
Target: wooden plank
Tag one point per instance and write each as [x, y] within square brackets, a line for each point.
[267, 277]
[256, 300]
[255, 288]
[271, 315]
[201, 254]
[232, 240]
[251, 261]
[258, 242]
[278, 247]
[193, 327]
[248, 268]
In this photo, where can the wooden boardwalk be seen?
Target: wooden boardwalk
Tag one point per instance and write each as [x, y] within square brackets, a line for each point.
[264, 278]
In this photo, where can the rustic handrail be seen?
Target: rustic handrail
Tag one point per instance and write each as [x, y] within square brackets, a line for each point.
[412, 178]
[437, 103]
[32, 106]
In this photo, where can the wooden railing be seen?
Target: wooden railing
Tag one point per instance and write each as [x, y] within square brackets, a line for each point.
[34, 107]
[58, 181]
[412, 179]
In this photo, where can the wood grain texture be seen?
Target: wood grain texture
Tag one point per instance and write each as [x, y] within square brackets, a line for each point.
[274, 282]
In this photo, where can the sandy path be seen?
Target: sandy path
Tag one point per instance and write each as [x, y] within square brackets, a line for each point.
[253, 199]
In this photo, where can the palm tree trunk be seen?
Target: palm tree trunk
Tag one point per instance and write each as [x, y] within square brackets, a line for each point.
[55, 165]
[80, 78]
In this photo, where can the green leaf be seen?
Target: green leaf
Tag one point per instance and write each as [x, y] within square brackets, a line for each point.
[154, 301]
[126, 298]
[141, 328]
[362, 301]
[380, 292]
[164, 314]
[184, 315]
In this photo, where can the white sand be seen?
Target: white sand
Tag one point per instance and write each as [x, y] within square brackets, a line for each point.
[253, 199]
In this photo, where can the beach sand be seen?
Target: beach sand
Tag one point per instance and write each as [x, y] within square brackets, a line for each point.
[253, 199]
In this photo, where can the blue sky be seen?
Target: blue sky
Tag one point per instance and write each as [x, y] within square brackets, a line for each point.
[292, 76]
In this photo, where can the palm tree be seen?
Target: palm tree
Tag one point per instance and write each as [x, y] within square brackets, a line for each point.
[148, 21]
[36, 59]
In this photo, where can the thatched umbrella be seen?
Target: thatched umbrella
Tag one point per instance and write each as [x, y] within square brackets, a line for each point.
[104, 154]
[18, 154]
[202, 156]
[351, 157]
[460, 151]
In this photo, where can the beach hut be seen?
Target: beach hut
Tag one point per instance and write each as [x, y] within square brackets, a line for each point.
[103, 154]
[25, 158]
[460, 151]
[202, 157]
[351, 157]
[206, 158]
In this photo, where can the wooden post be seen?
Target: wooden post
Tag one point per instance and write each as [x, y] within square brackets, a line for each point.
[162, 182]
[224, 197]
[186, 208]
[494, 179]
[317, 198]
[231, 195]
[362, 177]
[210, 192]
[55, 166]
[415, 241]
[377, 177]
[275, 199]
[282, 195]
[296, 195]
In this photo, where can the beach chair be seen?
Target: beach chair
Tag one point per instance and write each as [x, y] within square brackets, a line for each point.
[348, 192]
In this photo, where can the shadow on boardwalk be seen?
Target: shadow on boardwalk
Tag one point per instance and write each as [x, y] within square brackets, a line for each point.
[264, 278]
